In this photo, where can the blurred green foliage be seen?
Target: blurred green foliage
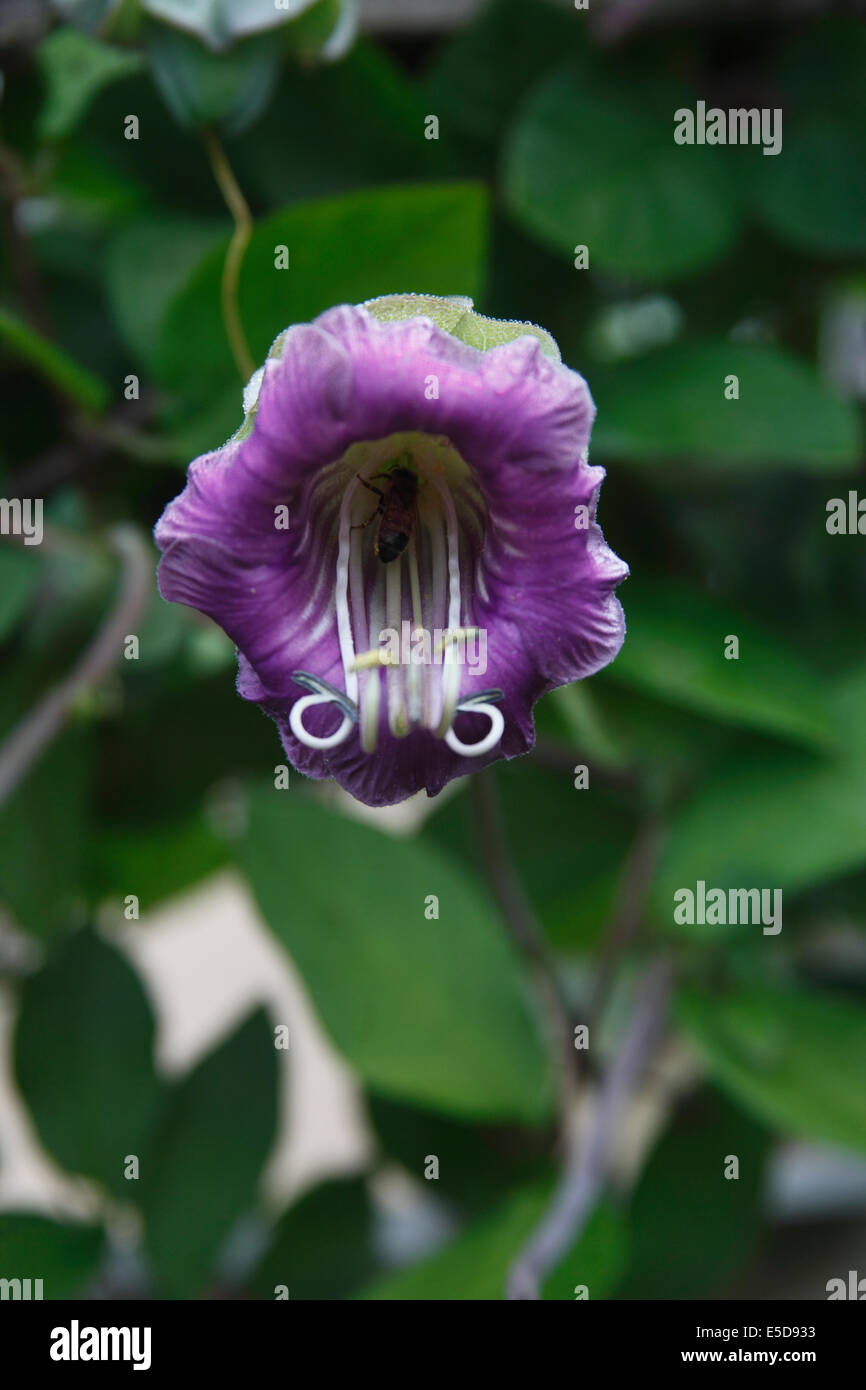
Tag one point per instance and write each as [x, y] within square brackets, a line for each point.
[449, 988]
[703, 262]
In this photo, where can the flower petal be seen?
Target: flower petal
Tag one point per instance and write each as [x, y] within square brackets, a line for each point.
[540, 581]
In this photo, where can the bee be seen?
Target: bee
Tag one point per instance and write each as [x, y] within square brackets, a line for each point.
[397, 511]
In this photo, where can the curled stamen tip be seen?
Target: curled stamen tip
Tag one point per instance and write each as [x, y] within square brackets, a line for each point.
[317, 686]
[323, 693]
[486, 697]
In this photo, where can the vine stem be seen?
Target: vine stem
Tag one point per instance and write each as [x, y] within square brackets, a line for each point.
[586, 1155]
[44, 722]
[586, 1166]
[528, 937]
[640, 867]
[243, 220]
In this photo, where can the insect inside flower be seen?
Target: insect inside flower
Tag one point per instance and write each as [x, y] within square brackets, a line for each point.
[398, 508]
[471, 435]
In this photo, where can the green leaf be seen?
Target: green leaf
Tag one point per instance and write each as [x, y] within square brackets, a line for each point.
[164, 630]
[323, 32]
[93, 196]
[675, 650]
[363, 126]
[813, 195]
[476, 1265]
[201, 1172]
[74, 68]
[155, 861]
[201, 88]
[52, 363]
[571, 862]
[436, 1012]
[794, 1059]
[43, 828]
[779, 822]
[147, 265]
[671, 405]
[659, 744]
[65, 1256]
[321, 1247]
[181, 184]
[341, 250]
[477, 78]
[84, 1059]
[477, 1164]
[574, 714]
[116, 19]
[186, 722]
[821, 67]
[593, 162]
[691, 1226]
[76, 590]
[774, 821]
[19, 577]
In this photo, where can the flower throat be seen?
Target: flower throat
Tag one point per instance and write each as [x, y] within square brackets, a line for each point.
[414, 575]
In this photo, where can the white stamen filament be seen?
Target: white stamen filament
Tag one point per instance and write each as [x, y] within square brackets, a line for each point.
[425, 693]
[438, 607]
[414, 684]
[398, 719]
[451, 669]
[370, 712]
[369, 682]
[341, 592]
